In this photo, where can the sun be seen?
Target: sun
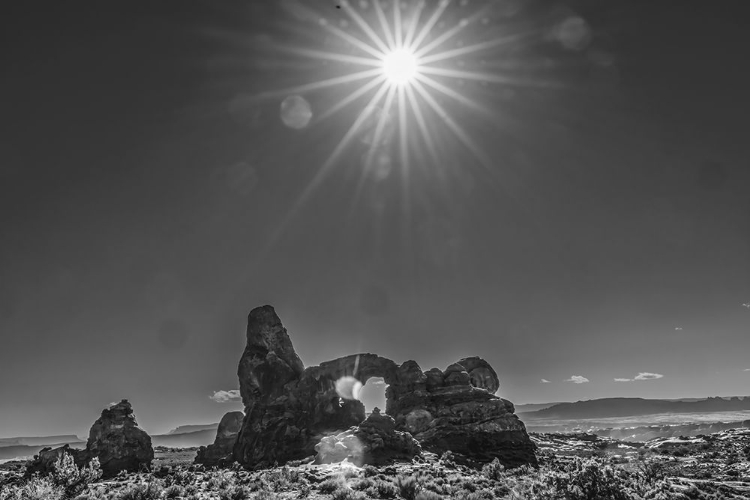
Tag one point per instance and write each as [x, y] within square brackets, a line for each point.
[400, 67]
[406, 67]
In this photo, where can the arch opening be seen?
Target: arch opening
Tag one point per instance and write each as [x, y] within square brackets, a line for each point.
[372, 394]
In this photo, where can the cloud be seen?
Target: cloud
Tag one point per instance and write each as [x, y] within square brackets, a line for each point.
[577, 379]
[623, 380]
[648, 376]
[746, 370]
[226, 396]
[545, 381]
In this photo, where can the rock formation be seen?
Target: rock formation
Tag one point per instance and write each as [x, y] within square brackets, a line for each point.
[220, 452]
[289, 409]
[375, 441]
[115, 439]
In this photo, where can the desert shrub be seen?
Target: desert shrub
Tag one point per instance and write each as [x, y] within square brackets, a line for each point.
[141, 491]
[235, 492]
[280, 479]
[493, 470]
[174, 491]
[265, 495]
[386, 489]
[681, 451]
[90, 495]
[191, 489]
[407, 486]
[332, 484]
[181, 477]
[371, 471]
[448, 458]
[436, 486]
[70, 478]
[469, 486]
[475, 495]
[36, 488]
[363, 484]
[428, 495]
[348, 494]
[220, 480]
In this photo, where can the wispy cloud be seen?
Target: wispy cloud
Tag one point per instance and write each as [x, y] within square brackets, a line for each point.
[545, 381]
[640, 376]
[746, 370]
[226, 396]
[577, 379]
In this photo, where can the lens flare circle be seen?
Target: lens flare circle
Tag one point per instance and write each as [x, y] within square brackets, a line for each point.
[400, 66]
[348, 387]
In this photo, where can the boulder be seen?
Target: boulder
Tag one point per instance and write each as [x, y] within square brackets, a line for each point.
[375, 441]
[480, 372]
[220, 452]
[115, 439]
[44, 462]
[292, 412]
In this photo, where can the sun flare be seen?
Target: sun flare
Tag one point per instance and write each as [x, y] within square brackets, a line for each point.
[400, 67]
[410, 74]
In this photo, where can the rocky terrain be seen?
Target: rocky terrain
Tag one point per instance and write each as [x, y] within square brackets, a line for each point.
[571, 466]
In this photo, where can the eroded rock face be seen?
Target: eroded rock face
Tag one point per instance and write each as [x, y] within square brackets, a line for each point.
[290, 409]
[460, 417]
[375, 441]
[220, 452]
[118, 442]
[115, 439]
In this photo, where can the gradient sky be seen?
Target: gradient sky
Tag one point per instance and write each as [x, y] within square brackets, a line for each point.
[143, 189]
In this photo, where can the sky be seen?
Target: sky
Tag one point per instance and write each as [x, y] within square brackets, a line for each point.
[586, 220]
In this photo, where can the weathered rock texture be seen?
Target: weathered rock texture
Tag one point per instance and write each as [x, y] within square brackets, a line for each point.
[289, 409]
[220, 452]
[375, 441]
[115, 439]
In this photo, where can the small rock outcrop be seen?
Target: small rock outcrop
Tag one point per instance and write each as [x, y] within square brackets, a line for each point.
[44, 462]
[115, 439]
[118, 442]
[220, 452]
[375, 441]
[292, 412]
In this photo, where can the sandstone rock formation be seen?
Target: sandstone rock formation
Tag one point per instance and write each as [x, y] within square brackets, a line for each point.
[118, 442]
[375, 441]
[220, 452]
[115, 439]
[290, 409]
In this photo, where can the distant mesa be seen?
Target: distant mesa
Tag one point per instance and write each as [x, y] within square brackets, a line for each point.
[629, 407]
[115, 439]
[186, 436]
[185, 429]
[293, 412]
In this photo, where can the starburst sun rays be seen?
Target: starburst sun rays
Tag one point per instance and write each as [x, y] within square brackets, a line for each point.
[404, 67]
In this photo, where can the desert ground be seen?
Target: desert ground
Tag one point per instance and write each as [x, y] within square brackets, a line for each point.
[572, 466]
